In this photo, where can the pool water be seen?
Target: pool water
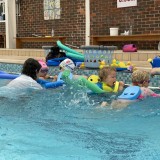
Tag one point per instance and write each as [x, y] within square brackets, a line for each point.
[66, 123]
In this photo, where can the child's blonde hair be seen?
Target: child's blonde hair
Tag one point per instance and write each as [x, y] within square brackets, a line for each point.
[139, 76]
[105, 71]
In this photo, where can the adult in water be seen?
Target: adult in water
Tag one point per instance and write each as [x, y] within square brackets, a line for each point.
[28, 77]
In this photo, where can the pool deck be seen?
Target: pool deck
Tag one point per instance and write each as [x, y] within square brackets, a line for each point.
[18, 56]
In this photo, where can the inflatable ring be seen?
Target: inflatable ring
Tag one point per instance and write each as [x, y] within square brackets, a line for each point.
[110, 89]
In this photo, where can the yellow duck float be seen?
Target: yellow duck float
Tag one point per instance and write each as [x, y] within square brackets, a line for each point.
[102, 64]
[128, 65]
[82, 66]
[94, 79]
[114, 63]
[118, 64]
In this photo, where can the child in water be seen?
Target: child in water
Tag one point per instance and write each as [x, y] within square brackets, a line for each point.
[68, 64]
[107, 77]
[43, 73]
[139, 78]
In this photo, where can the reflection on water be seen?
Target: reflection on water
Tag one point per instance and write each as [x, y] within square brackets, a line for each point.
[65, 123]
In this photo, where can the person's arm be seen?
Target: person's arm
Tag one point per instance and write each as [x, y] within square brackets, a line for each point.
[155, 71]
[152, 93]
[148, 92]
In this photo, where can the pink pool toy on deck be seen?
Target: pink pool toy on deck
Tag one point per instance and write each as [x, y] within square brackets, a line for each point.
[129, 48]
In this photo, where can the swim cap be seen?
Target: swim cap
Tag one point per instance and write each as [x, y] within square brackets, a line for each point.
[43, 64]
[67, 64]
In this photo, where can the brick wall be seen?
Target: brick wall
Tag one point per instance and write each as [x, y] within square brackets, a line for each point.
[71, 24]
[145, 19]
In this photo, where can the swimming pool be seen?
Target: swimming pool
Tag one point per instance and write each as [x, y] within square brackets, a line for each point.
[66, 123]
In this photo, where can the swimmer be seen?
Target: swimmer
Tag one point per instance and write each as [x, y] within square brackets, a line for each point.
[28, 77]
[43, 74]
[107, 77]
[141, 79]
[68, 64]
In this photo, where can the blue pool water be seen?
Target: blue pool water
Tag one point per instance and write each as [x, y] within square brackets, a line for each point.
[67, 124]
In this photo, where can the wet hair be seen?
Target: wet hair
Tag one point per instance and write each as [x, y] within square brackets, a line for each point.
[31, 67]
[105, 71]
[139, 76]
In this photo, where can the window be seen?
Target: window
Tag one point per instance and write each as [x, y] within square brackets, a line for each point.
[51, 9]
[18, 8]
[2, 10]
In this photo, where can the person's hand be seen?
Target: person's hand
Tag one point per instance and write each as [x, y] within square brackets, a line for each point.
[104, 104]
[121, 85]
[52, 77]
[55, 78]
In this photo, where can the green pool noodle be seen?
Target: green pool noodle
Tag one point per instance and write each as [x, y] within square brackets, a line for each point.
[66, 79]
[92, 86]
[82, 81]
[79, 57]
[68, 49]
[65, 76]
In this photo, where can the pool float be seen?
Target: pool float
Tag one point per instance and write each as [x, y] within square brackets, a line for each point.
[120, 66]
[66, 64]
[94, 78]
[106, 88]
[4, 75]
[60, 76]
[133, 93]
[82, 65]
[78, 64]
[55, 61]
[90, 84]
[155, 62]
[72, 55]
[102, 64]
[70, 52]
[81, 81]
[47, 84]
[44, 83]
[130, 93]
